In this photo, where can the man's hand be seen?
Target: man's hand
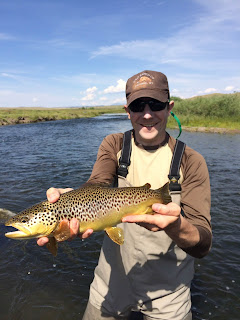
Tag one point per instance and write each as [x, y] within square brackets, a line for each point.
[165, 217]
[169, 219]
[53, 195]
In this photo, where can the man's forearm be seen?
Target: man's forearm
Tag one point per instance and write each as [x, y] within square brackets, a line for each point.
[183, 233]
[194, 240]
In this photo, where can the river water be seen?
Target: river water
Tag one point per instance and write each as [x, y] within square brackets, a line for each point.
[36, 285]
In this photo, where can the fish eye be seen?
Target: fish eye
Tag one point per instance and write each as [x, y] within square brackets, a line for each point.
[24, 219]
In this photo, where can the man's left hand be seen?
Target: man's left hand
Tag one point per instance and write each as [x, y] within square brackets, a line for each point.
[166, 216]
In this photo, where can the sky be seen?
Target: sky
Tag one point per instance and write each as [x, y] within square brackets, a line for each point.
[66, 53]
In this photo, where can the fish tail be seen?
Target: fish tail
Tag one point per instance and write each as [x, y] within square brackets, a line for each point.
[164, 194]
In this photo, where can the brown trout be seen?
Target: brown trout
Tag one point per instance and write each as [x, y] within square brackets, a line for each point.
[96, 207]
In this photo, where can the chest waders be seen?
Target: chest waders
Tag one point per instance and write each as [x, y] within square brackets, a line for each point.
[127, 277]
[174, 173]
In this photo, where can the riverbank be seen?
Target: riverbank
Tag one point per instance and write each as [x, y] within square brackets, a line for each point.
[218, 113]
[11, 116]
[211, 130]
[209, 113]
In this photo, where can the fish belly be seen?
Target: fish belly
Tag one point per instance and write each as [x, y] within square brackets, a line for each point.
[114, 217]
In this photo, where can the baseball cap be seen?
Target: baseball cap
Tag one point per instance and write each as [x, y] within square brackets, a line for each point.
[147, 83]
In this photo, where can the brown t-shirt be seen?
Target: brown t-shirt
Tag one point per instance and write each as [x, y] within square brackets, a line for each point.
[195, 195]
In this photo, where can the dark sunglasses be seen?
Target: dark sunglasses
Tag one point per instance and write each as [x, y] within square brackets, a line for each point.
[138, 105]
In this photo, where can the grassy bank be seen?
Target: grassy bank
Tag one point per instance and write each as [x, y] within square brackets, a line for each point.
[27, 115]
[208, 112]
[203, 113]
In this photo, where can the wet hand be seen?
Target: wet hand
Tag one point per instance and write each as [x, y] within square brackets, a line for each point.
[53, 194]
[74, 230]
[165, 216]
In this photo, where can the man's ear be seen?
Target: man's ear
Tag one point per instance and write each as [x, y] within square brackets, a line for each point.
[127, 110]
[170, 106]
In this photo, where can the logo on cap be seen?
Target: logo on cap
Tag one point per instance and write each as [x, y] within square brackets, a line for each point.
[143, 80]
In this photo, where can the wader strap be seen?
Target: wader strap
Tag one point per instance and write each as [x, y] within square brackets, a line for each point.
[174, 174]
[124, 160]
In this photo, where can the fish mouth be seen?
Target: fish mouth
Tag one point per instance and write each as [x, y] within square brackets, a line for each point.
[22, 233]
[29, 232]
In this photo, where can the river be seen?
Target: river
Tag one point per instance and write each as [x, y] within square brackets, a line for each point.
[36, 285]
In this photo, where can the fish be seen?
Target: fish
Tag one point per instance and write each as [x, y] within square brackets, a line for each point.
[96, 207]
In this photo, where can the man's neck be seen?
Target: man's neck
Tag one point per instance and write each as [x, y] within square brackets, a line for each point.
[152, 147]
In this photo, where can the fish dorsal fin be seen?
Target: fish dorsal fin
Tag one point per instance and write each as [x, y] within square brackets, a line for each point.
[147, 185]
[115, 234]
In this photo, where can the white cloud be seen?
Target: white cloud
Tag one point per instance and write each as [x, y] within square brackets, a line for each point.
[120, 87]
[90, 94]
[8, 75]
[229, 88]
[88, 97]
[197, 45]
[91, 90]
[210, 90]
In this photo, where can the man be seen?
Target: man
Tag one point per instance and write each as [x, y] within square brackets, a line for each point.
[152, 271]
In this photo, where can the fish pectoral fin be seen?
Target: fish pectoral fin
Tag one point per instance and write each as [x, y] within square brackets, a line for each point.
[52, 246]
[62, 232]
[115, 234]
[148, 210]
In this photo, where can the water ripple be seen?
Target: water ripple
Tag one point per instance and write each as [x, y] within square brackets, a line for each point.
[35, 157]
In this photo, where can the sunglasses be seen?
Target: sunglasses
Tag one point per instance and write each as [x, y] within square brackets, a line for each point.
[138, 105]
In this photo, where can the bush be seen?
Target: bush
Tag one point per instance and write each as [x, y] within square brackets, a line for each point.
[216, 105]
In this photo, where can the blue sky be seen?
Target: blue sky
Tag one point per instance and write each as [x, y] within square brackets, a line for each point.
[60, 53]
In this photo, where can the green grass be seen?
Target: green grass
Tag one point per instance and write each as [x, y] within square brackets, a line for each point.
[216, 110]
[210, 111]
[25, 115]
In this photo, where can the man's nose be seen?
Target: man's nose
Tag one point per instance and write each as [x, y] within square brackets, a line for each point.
[147, 112]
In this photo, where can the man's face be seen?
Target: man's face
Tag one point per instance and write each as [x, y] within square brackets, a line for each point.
[149, 126]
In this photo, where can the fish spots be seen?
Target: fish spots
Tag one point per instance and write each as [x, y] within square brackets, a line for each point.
[86, 204]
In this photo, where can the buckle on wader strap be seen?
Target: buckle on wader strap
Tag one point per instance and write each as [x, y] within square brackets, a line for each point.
[124, 160]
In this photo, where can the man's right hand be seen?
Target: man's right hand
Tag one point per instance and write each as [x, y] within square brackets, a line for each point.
[53, 194]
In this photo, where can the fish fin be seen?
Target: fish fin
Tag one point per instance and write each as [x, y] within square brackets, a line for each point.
[147, 185]
[52, 246]
[62, 232]
[115, 234]
[164, 193]
[148, 210]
